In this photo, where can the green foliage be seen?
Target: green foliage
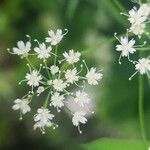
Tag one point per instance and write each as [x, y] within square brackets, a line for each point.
[115, 144]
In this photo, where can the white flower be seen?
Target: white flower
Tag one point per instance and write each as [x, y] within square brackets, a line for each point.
[71, 75]
[93, 76]
[22, 105]
[54, 38]
[33, 78]
[54, 69]
[57, 100]
[138, 28]
[50, 82]
[126, 47]
[43, 51]
[59, 85]
[135, 16]
[40, 90]
[43, 119]
[81, 98]
[142, 66]
[79, 117]
[144, 10]
[72, 57]
[22, 49]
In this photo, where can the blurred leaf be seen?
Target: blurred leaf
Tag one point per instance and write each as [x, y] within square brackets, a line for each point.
[112, 144]
[72, 5]
[115, 13]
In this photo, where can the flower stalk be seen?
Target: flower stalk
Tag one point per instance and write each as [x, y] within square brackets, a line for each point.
[141, 108]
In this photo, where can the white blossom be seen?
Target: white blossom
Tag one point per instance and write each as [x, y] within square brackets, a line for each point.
[43, 119]
[57, 100]
[40, 90]
[22, 49]
[93, 76]
[72, 57]
[71, 75]
[33, 78]
[54, 69]
[59, 85]
[54, 38]
[81, 98]
[142, 66]
[43, 51]
[135, 16]
[138, 29]
[144, 10]
[126, 47]
[79, 117]
[22, 105]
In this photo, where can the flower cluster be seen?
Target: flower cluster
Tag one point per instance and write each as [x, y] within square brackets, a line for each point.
[56, 80]
[138, 18]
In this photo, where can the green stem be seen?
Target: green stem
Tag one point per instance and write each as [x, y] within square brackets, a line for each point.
[28, 60]
[46, 101]
[45, 63]
[55, 55]
[141, 109]
[143, 49]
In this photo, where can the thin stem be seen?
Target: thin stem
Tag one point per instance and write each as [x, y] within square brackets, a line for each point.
[141, 109]
[55, 55]
[28, 60]
[45, 63]
[143, 49]
[46, 101]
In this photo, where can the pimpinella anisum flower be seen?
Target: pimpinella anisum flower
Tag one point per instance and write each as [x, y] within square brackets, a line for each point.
[55, 80]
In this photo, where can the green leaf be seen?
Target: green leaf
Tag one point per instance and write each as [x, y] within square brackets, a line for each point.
[115, 144]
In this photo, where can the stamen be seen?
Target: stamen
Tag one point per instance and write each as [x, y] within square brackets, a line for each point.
[28, 36]
[124, 14]
[79, 129]
[80, 86]
[29, 68]
[85, 65]
[60, 61]
[120, 58]
[8, 49]
[80, 69]
[40, 68]
[20, 118]
[66, 31]
[37, 41]
[58, 110]
[129, 59]
[115, 35]
[133, 75]
[22, 81]
[144, 43]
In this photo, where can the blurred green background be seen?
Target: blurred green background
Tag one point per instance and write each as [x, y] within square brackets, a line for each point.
[91, 25]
